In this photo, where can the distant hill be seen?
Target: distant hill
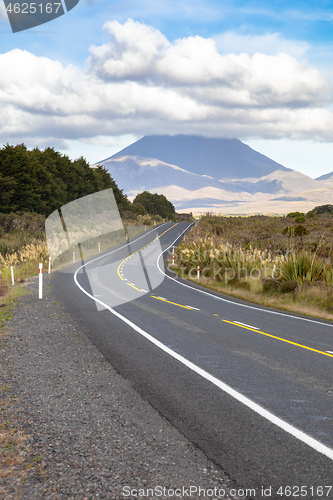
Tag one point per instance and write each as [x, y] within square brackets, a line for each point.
[222, 175]
[325, 177]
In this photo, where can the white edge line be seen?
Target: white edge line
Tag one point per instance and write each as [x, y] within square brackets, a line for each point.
[121, 247]
[297, 433]
[231, 301]
[244, 324]
[329, 352]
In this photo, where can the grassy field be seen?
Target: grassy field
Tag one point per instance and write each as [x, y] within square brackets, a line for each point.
[22, 245]
[283, 262]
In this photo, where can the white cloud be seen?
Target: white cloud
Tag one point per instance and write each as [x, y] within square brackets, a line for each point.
[270, 43]
[141, 83]
[131, 51]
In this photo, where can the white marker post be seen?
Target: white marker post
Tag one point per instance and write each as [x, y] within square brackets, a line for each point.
[49, 265]
[73, 256]
[12, 273]
[198, 272]
[173, 260]
[99, 247]
[40, 296]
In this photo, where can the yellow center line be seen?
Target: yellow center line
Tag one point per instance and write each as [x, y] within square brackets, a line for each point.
[279, 338]
[129, 256]
[130, 284]
[169, 302]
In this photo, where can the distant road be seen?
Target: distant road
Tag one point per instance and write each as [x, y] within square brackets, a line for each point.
[252, 387]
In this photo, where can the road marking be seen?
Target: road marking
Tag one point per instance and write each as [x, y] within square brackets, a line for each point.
[192, 307]
[330, 352]
[133, 286]
[297, 433]
[217, 297]
[244, 324]
[279, 338]
[169, 302]
[122, 263]
[290, 429]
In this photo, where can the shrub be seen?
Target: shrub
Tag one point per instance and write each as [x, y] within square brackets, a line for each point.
[322, 209]
[270, 285]
[288, 286]
[296, 214]
[300, 231]
[303, 267]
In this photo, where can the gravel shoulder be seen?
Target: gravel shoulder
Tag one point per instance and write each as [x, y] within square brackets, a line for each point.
[80, 430]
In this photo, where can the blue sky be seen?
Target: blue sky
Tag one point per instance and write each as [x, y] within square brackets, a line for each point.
[108, 72]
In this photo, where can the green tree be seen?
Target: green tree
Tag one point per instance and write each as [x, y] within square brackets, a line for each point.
[155, 204]
[42, 181]
[322, 209]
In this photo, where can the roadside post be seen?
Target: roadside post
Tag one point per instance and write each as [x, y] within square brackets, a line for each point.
[40, 296]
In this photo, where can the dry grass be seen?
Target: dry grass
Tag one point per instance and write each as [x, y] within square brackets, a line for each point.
[13, 448]
[16, 458]
[300, 304]
[22, 245]
[258, 260]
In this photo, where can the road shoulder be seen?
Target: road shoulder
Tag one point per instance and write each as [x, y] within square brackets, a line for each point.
[86, 433]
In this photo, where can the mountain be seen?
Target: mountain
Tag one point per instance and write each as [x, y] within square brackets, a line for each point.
[326, 177]
[200, 155]
[222, 175]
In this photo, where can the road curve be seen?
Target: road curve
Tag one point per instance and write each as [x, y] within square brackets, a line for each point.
[253, 387]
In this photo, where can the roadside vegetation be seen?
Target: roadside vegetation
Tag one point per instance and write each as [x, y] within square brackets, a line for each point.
[284, 262]
[35, 183]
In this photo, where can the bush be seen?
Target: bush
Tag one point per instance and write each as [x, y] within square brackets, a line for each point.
[129, 215]
[288, 286]
[300, 231]
[322, 209]
[303, 267]
[270, 285]
[296, 214]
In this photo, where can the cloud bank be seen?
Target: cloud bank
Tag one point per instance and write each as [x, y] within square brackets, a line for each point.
[142, 83]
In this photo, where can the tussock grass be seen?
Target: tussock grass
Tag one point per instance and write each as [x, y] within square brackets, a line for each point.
[256, 259]
[22, 245]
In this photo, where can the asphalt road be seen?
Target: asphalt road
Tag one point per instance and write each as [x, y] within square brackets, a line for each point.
[252, 387]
